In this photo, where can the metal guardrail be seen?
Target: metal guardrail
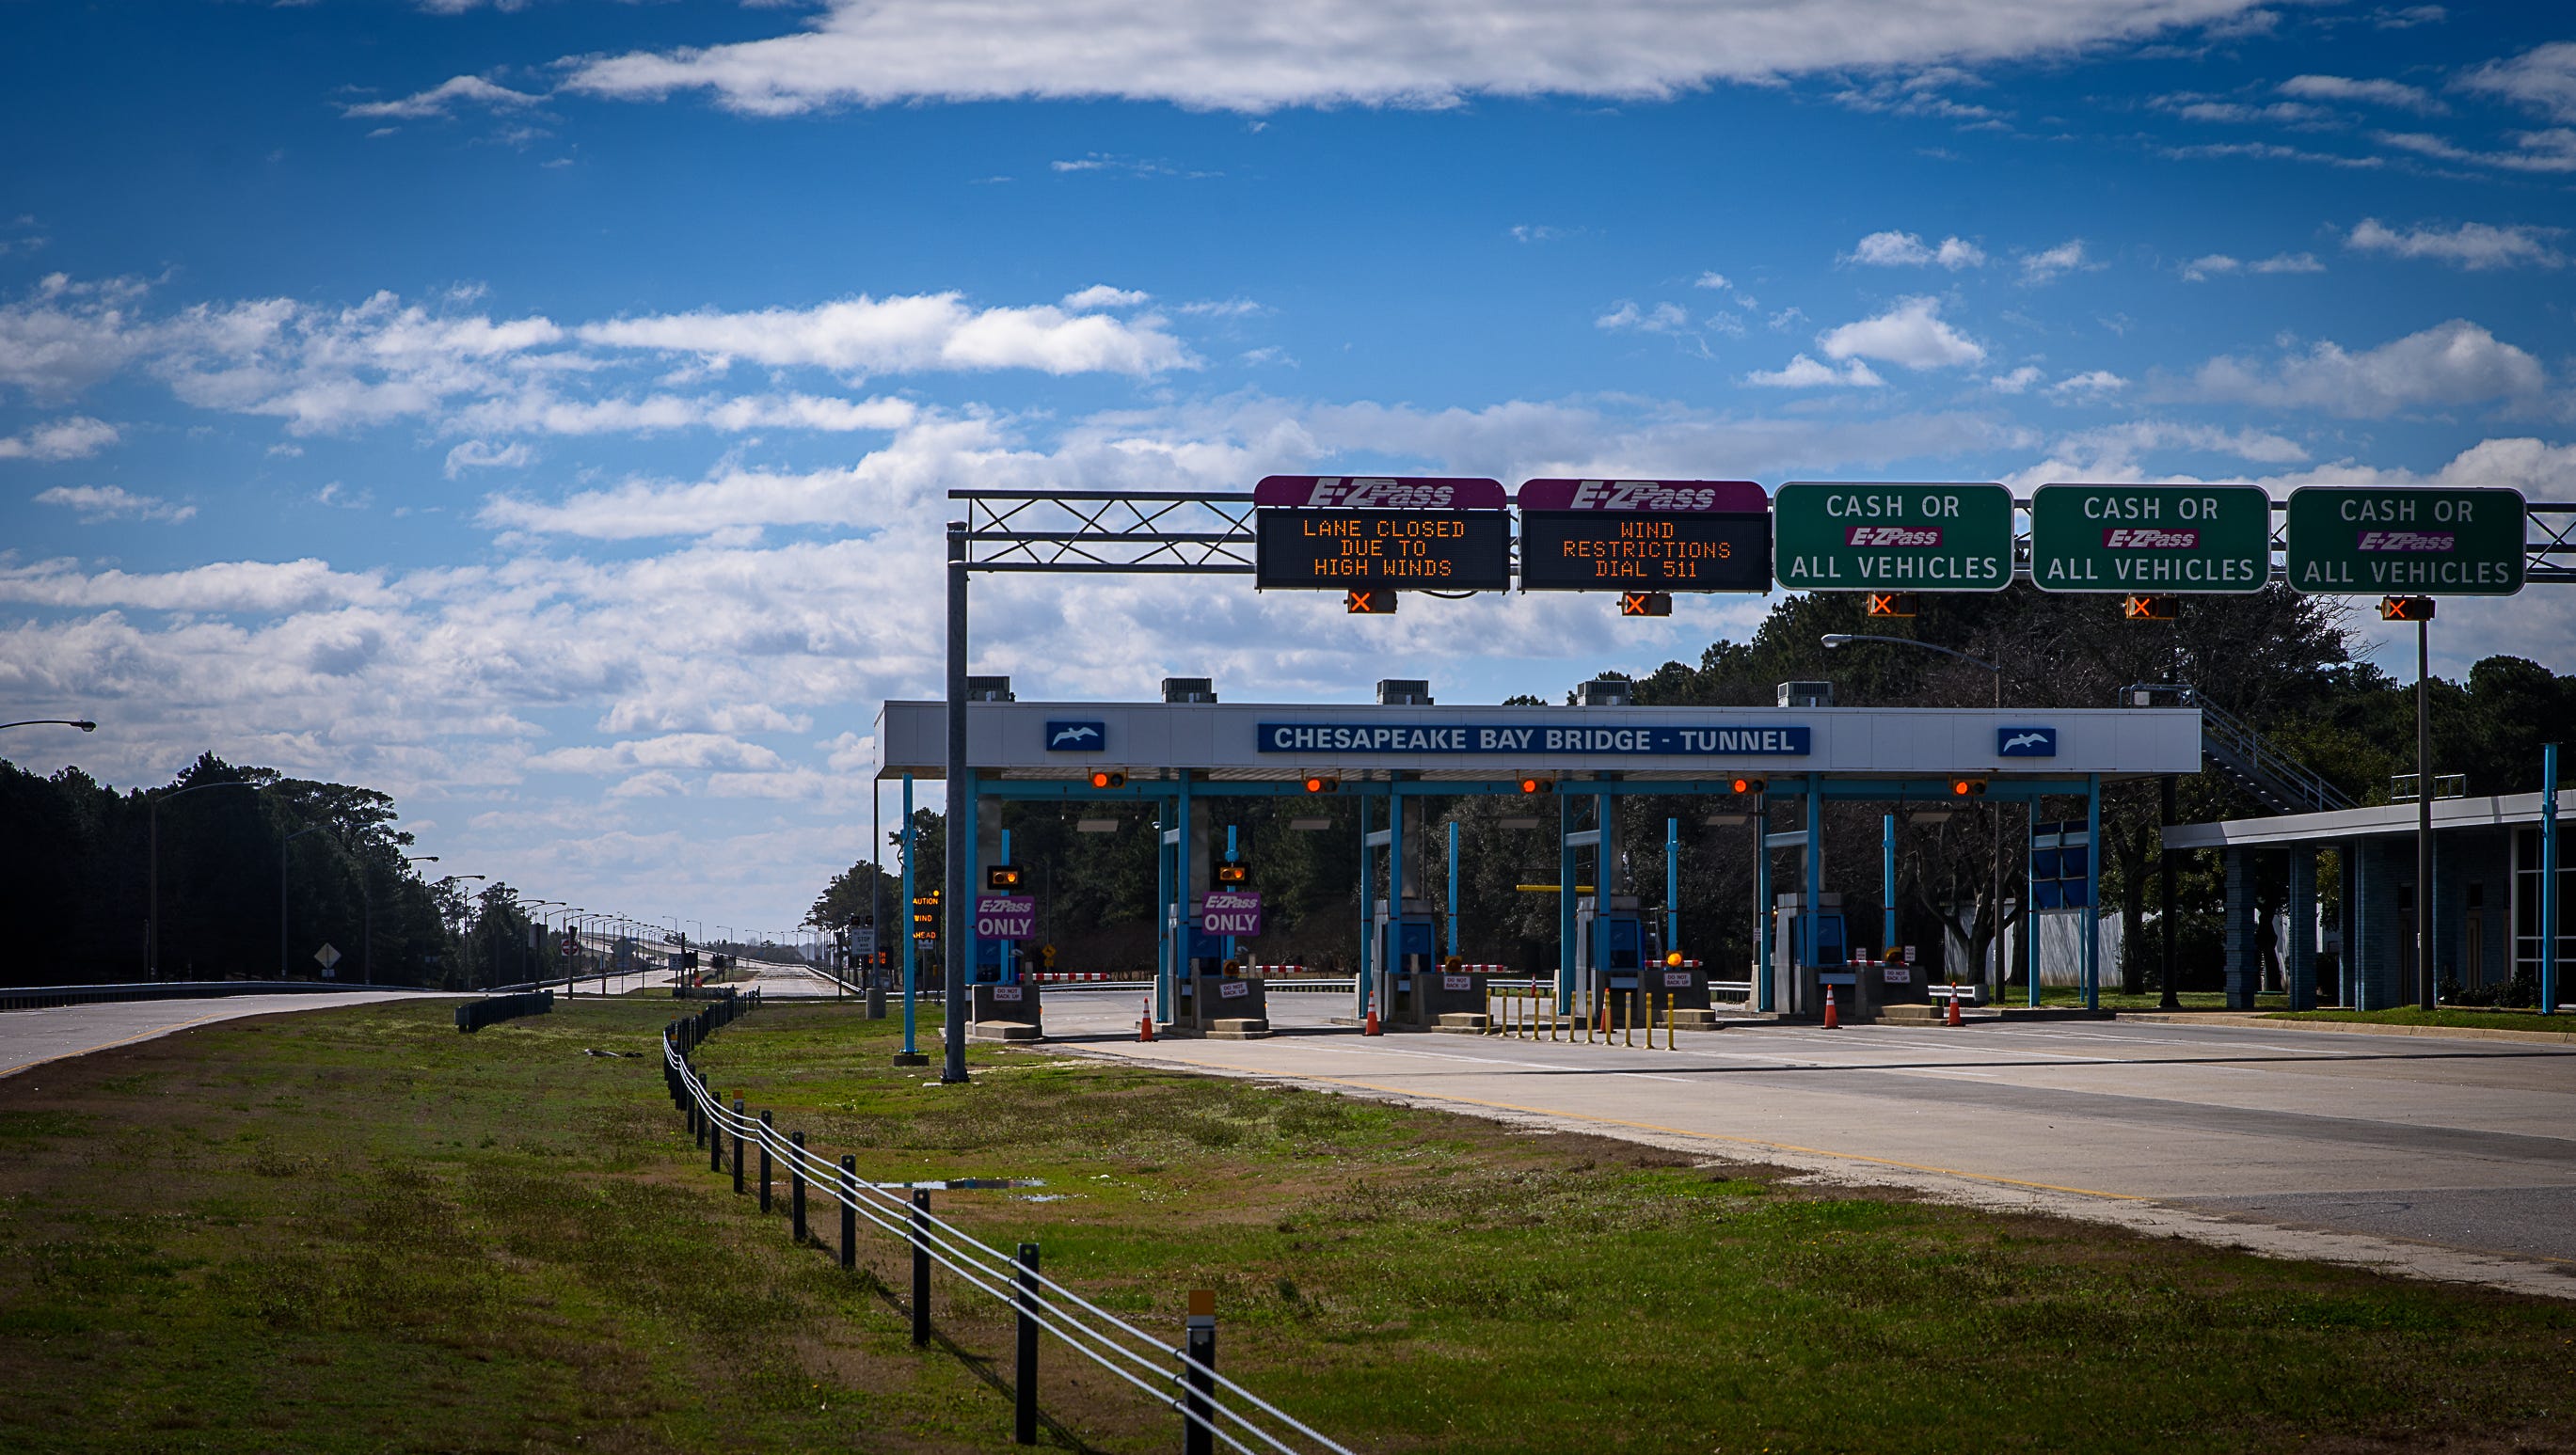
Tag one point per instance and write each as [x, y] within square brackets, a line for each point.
[1185, 1377]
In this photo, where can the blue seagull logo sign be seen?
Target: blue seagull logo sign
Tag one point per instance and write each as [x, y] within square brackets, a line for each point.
[2026, 742]
[1076, 737]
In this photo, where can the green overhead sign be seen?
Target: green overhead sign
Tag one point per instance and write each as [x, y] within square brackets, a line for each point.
[2150, 539]
[1866, 537]
[2405, 539]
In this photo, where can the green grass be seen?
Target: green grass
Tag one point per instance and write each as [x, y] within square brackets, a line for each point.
[2484, 1020]
[2071, 995]
[359, 1230]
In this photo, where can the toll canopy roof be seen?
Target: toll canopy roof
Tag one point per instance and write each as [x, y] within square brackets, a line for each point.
[1287, 741]
[2362, 823]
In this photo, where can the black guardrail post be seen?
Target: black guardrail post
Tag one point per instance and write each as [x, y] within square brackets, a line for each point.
[765, 1131]
[849, 1212]
[715, 1132]
[796, 1184]
[1198, 1436]
[737, 1146]
[1024, 1386]
[920, 1265]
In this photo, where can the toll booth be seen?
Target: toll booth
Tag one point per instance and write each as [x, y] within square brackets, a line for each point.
[1224, 1007]
[1610, 947]
[1682, 989]
[1801, 971]
[1410, 952]
[1005, 1012]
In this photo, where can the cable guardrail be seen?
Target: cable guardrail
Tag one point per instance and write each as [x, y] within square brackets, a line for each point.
[1182, 1376]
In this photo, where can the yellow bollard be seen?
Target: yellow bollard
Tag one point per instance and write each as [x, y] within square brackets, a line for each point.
[1628, 1020]
[1668, 1024]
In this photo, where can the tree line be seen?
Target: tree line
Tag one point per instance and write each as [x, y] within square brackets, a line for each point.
[229, 873]
[2282, 662]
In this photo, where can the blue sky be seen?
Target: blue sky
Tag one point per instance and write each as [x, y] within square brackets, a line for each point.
[544, 410]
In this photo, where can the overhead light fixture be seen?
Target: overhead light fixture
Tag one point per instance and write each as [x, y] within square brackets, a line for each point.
[1310, 825]
[1933, 816]
[1727, 820]
[1517, 823]
[1095, 825]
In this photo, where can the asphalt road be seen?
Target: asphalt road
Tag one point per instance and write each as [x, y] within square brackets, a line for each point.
[30, 1038]
[2465, 1144]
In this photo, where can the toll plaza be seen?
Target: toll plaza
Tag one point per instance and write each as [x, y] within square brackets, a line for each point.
[1188, 753]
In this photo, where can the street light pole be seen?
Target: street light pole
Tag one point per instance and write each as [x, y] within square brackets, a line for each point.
[84, 724]
[281, 895]
[152, 902]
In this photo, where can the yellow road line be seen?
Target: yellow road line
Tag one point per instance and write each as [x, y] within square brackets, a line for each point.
[1670, 1131]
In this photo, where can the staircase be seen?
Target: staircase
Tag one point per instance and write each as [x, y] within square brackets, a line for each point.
[2263, 772]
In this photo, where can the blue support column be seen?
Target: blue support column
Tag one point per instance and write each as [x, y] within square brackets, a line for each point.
[1453, 887]
[1564, 901]
[1232, 849]
[1887, 886]
[1815, 877]
[1763, 997]
[1368, 910]
[1182, 900]
[2030, 906]
[1672, 885]
[2093, 891]
[910, 977]
[2356, 980]
[2549, 879]
[2244, 975]
[1162, 918]
[2300, 965]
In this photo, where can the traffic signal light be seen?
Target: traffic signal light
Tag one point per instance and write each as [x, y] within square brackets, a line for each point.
[1538, 783]
[1002, 878]
[1891, 603]
[2406, 608]
[1107, 778]
[1323, 783]
[1376, 601]
[2149, 608]
[1645, 603]
[1232, 876]
[1967, 787]
[1749, 786]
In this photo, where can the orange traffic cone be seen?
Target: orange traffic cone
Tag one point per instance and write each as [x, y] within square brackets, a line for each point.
[1145, 1022]
[1833, 1021]
[1370, 1029]
[1954, 1018]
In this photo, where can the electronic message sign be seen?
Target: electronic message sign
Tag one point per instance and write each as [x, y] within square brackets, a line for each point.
[1340, 532]
[1645, 535]
[2153, 539]
[2395, 539]
[1878, 537]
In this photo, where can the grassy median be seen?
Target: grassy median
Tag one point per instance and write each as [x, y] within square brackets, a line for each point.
[2446, 1016]
[359, 1230]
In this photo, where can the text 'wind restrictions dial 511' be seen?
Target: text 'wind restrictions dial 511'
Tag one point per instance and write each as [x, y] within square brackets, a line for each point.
[1633, 535]
[1339, 532]
[2154, 539]
[1880, 537]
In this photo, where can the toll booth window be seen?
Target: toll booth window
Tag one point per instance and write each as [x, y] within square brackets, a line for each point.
[1623, 958]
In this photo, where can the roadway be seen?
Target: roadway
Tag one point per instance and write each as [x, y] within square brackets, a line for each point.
[2366, 1148]
[30, 1038]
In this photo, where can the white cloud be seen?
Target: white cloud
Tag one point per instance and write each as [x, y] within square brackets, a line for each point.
[1662, 318]
[935, 331]
[2054, 263]
[2542, 78]
[478, 455]
[2216, 265]
[2548, 151]
[440, 99]
[2092, 384]
[1101, 295]
[1907, 250]
[2281, 113]
[65, 336]
[228, 587]
[2450, 365]
[2016, 381]
[109, 502]
[697, 751]
[1802, 372]
[1711, 280]
[2373, 92]
[75, 438]
[2475, 246]
[1234, 55]
[1911, 335]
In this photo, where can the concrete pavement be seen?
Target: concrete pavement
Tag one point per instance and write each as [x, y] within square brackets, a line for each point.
[2357, 1147]
[30, 1038]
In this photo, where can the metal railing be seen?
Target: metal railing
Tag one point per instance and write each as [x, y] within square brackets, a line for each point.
[1173, 1374]
[2278, 781]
